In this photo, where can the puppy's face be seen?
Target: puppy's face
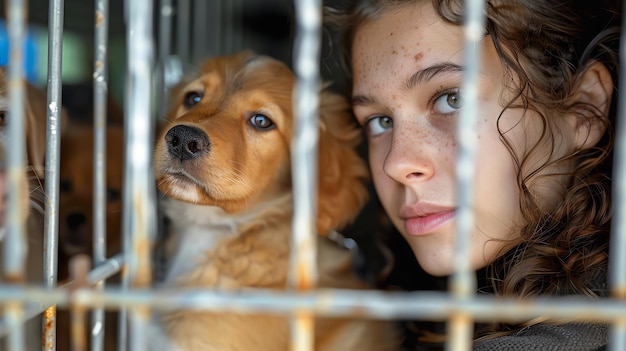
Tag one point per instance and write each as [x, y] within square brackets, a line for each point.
[76, 196]
[227, 140]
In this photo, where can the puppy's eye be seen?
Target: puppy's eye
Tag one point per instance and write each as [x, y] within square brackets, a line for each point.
[113, 194]
[65, 186]
[260, 121]
[191, 99]
[3, 118]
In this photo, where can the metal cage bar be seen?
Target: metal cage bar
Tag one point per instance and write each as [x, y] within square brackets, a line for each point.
[100, 79]
[463, 282]
[139, 194]
[302, 275]
[53, 146]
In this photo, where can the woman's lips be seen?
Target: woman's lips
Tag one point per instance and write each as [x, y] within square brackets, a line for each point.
[422, 225]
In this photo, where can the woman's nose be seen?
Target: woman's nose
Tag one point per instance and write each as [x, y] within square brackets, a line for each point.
[408, 160]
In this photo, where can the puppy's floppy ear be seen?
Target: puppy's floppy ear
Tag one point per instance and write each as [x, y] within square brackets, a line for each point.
[342, 172]
[35, 111]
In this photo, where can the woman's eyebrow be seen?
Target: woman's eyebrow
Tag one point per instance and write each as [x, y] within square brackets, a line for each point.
[362, 100]
[420, 77]
[426, 74]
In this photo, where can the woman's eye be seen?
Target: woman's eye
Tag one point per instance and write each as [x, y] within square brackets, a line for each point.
[260, 121]
[191, 99]
[379, 125]
[448, 103]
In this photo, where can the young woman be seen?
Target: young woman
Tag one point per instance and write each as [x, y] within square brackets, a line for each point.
[547, 107]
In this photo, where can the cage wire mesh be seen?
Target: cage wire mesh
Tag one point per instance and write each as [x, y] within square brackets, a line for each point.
[162, 37]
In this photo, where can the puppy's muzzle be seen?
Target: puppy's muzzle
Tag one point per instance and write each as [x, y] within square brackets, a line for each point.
[186, 143]
[77, 225]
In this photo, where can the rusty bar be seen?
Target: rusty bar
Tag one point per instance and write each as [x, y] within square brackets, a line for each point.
[424, 305]
[139, 221]
[303, 327]
[13, 311]
[79, 268]
[139, 321]
[100, 81]
[427, 305]
[139, 183]
[302, 274]
[53, 145]
[463, 281]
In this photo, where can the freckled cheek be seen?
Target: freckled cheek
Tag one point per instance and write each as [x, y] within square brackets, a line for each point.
[447, 147]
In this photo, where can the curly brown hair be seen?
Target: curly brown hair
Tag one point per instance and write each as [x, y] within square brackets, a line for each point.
[547, 46]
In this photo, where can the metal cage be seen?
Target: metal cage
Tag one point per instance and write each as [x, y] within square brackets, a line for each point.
[157, 38]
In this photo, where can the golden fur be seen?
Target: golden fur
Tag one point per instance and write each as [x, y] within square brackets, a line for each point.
[229, 200]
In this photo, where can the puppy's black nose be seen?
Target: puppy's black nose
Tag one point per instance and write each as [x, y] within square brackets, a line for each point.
[76, 220]
[185, 142]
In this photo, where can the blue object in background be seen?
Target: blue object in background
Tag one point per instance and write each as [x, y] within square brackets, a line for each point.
[30, 52]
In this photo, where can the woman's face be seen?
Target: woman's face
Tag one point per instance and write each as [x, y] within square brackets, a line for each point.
[408, 71]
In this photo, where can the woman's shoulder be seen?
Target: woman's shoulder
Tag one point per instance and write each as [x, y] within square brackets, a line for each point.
[571, 337]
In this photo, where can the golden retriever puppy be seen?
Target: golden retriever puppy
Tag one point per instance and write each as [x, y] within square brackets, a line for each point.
[223, 164]
[76, 193]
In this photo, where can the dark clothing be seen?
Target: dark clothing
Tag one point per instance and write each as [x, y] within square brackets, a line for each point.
[539, 337]
[567, 337]
[570, 336]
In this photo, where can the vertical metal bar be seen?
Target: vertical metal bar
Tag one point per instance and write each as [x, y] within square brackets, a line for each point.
[139, 191]
[15, 241]
[140, 181]
[139, 319]
[165, 45]
[302, 268]
[183, 26]
[100, 79]
[79, 270]
[617, 255]
[463, 281]
[51, 227]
